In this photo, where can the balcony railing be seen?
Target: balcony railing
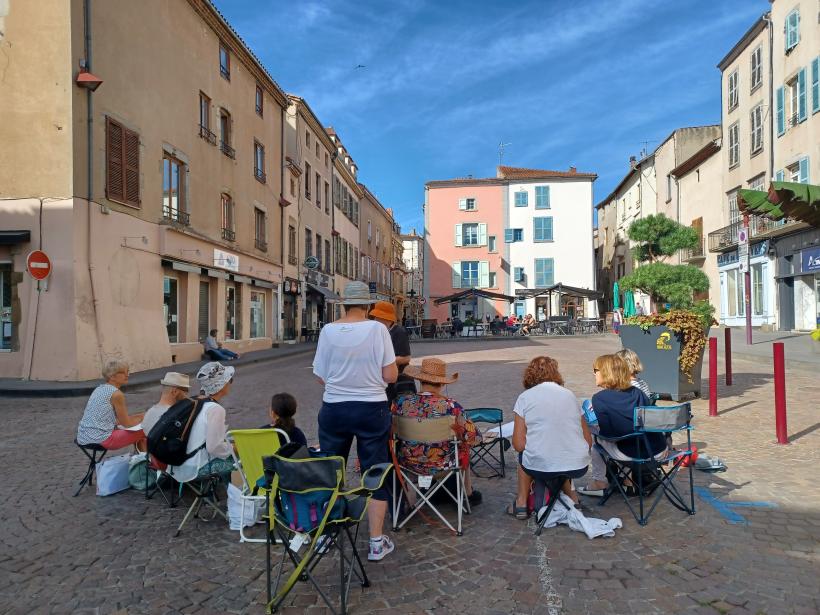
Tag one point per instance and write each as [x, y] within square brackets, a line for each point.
[227, 150]
[206, 134]
[693, 254]
[176, 215]
[261, 244]
[228, 234]
[726, 238]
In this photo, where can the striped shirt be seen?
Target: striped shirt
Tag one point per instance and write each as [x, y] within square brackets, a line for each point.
[99, 419]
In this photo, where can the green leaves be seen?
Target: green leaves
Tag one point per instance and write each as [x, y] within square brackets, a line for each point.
[667, 283]
[657, 236]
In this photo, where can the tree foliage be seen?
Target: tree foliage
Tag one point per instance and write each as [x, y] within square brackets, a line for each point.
[659, 236]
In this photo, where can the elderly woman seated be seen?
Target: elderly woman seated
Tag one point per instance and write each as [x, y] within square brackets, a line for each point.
[430, 402]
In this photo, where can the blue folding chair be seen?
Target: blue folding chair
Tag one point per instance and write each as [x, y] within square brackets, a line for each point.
[647, 475]
[484, 453]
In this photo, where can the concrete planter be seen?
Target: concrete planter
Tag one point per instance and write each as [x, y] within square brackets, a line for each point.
[659, 351]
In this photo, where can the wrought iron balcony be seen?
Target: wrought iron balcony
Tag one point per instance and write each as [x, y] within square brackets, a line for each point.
[261, 244]
[206, 134]
[695, 254]
[227, 150]
[291, 259]
[228, 234]
[259, 174]
[726, 238]
[176, 215]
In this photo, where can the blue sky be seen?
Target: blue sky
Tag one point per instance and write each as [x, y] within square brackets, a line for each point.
[565, 82]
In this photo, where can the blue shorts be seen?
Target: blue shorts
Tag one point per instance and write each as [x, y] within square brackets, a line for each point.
[368, 421]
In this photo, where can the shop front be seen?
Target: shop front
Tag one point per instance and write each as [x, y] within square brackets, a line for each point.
[291, 290]
[798, 280]
[732, 287]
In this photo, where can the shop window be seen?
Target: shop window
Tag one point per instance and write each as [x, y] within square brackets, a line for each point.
[6, 325]
[231, 313]
[203, 325]
[257, 314]
[170, 308]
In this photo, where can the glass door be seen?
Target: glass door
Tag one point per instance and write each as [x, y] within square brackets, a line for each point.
[5, 307]
[230, 312]
[257, 314]
[169, 307]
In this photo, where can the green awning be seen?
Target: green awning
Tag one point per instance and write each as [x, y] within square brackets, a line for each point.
[799, 202]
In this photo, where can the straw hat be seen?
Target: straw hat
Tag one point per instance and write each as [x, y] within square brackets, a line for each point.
[431, 370]
[384, 310]
[356, 293]
[177, 380]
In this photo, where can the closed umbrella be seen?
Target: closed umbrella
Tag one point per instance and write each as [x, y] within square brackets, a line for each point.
[629, 304]
[616, 296]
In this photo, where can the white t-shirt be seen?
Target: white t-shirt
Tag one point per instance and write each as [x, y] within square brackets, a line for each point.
[555, 440]
[209, 429]
[349, 358]
[153, 415]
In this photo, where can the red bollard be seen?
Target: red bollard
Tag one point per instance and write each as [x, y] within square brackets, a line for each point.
[727, 354]
[713, 361]
[780, 394]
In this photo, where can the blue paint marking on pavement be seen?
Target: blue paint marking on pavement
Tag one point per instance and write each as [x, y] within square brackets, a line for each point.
[725, 508]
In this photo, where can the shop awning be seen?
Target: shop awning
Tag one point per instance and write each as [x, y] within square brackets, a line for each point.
[328, 294]
[799, 202]
[11, 238]
[470, 293]
[562, 289]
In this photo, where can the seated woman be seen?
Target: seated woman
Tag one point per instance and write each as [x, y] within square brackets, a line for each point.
[614, 407]
[633, 362]
[550, 433]
[210, 451]
[106, 420]
[431, 403]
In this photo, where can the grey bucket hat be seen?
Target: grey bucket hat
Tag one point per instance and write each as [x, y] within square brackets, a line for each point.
[356, 293]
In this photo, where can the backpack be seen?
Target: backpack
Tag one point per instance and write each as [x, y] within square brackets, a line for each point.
[168, 439]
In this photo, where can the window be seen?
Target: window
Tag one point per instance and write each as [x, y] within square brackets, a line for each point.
[260, 232]
[317, 149]
[173, 190]
[758, 305]
[205, 119]
[798, 172]
[734, 145]
[318, 191]
[733, 83]
[734, 212]
[544, 273]
[668, 187]
[327, 198]
[292, 245]
[224, 61]
[521, 199]
[232, 312]
[259, 161]
[757, 129]
[327, 161]
[734, 293]
[491, 281]
[260, 101]
[491, 244]
[758, 183]
[518, 274]
[780, 106]
[122, 164]
[542, 197]
[204, 324]
[511, 235]
[225, 134]
[756, 72]
[307, 180]
[469, 274]
[468, 204]
[327, 256]
[228, 231]
[542, 229]
[307, 138]
[815, 85]
[369, 231]
[792, 30]
[319, 250]
[795, 99]
[469, 234]
[170, 308]
[378, 237]
[257, 314]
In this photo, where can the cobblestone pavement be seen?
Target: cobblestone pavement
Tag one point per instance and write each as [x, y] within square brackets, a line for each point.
[116, 555]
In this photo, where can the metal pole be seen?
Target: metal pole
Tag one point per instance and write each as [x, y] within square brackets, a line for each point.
[713, 375]
[780, 394]
[727, 354]
[747, 283]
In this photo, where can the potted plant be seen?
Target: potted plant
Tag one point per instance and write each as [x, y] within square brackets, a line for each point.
[670, 340]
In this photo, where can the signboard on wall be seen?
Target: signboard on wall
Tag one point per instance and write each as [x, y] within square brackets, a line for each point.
[810, 260]
[226, 260]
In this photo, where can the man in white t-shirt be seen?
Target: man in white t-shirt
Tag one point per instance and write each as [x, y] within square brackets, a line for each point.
[175, 387]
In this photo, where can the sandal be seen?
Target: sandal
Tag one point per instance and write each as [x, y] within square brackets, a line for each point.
[519, 512]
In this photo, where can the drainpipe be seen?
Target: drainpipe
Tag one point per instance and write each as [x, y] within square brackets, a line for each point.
[768, 18]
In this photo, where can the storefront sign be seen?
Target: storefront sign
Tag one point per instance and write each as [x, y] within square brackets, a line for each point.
[226, 260]
[730, 258]
[810, 259]
[662, 343]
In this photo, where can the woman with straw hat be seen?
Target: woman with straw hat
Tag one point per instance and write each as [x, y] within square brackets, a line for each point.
[431, 403]
[355, 362]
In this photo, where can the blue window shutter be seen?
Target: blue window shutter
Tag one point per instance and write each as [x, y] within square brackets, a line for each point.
[779, 175]
[804, 170]
[548, 228]
[549, 273]
[457, 274]
[508, 235]
[536, 230]
[796, 27]
[801, 95]
[482, 234]
[815, 85]
[458, 235]
[484, 274]
[780, 104]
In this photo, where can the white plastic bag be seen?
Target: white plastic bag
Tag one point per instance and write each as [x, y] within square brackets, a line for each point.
[112, 474]
[236, 517]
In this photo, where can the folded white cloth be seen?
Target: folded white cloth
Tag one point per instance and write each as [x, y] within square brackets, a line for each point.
[569, 515]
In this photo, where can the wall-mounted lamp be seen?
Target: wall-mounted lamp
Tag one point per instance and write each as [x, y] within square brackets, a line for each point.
[88, 80]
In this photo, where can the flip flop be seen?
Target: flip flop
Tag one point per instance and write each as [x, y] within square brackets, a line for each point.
[519, 512]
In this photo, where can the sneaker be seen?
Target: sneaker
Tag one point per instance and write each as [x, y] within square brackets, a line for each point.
[380, 548]
[475, 498]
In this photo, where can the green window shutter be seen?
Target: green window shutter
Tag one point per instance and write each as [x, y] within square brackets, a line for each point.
[458, 235]
[801, 95]
[482, 234]
[457, 274]
[508, 235]
[780, 104]
[804, 170]
[815, 85]
[484, 274]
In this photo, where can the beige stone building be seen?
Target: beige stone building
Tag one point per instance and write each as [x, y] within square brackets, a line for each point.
[157, 195]
[376, 241]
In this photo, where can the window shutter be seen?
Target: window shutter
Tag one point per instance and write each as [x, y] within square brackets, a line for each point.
[815, 85]
[458, 235]
[462, 204]
[779, 175]
[804, 170]
[801, 95]
[508, 235]
[484, 274]
[457, 274]
[781, 118]
[549, 271]
[114, 174]
[547, 197]
[796, 38]
[132, 170]
[548, 228]
[482, 234]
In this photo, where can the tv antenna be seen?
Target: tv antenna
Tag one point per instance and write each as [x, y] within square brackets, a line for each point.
[501, 146]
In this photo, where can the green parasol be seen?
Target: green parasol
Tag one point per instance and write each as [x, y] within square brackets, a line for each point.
[793, 200]
[629, 304]
[616, 296]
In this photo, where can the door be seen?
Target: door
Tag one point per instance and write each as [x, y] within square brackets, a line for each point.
[289, 317]
[786, 292]
[5, 308]
[230, 312]
[203, 326]
[169, 308]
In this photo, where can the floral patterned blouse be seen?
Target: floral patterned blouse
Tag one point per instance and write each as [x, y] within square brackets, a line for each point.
[426, 457]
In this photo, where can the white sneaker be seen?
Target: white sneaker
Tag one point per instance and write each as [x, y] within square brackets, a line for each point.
[380, 548]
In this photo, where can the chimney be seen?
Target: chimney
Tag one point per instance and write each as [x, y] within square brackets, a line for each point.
[633, 162]
[573, 170]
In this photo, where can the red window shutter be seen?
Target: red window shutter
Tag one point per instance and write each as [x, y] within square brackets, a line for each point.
[131, 155]
[114, 189]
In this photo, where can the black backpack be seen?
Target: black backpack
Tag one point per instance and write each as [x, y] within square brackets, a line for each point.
[168, 439]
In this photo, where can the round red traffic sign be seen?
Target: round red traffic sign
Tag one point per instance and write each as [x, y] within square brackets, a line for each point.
[38, 265]
[422, 300]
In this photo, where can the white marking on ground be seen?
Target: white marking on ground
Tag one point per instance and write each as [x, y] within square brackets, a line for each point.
[553, 603]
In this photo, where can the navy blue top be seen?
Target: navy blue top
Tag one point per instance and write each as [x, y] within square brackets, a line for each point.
[616, 411]
[294, 433]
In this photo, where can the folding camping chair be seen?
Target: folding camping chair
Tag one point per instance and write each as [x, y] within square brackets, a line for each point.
[407, 481]
[90, 451]
[484, 453]
[647, 474]
[251, 445]
[204, 489]
[314, 486]
[546, 495]
[158, 469]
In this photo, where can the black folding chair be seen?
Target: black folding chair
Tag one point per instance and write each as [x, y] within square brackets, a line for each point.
[91, 451]
[490, 452]
[647, 475]
[205, 492]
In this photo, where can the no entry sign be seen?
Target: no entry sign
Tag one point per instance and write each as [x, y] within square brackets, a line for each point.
[38, 265]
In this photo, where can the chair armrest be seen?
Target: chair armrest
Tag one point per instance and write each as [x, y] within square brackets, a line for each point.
[372, 480]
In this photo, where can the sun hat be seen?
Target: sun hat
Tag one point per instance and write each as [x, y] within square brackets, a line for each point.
[384, 310]
[356, 293]
[213, 377]
[431, 370]
[177, 380]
